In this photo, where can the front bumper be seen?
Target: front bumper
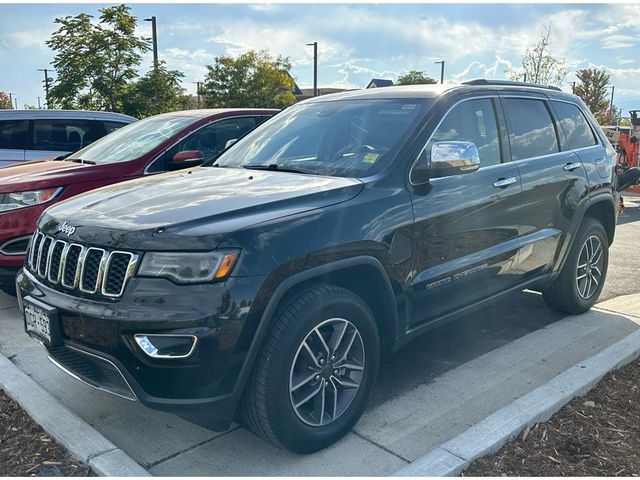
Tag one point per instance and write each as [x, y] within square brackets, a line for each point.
[95, 342]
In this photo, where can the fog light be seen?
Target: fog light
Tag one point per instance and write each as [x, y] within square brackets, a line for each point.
[166, 345]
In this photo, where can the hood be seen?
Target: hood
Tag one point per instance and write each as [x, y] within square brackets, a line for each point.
[192, 209]
[53, 173]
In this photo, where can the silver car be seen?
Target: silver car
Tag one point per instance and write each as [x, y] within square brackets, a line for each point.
[34, 134]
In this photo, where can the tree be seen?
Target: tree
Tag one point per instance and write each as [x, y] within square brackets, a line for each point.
[158, 91]
[253, 79]
[94, 62]
[592, 89]
[539, 65]
[415, 77]
[5, 102]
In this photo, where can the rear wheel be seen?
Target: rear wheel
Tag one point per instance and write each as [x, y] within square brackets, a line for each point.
[315, 371]
[581, 280]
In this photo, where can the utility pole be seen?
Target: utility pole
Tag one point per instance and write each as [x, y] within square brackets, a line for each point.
[39, 106]
[525, 77]
[154, 34]
[611, 103]
[441, 62]
[198, 92]
[315, 67]
[10, 100]
[15, 99]
[46, 85]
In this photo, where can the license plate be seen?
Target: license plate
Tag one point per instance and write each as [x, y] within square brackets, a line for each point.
[37, 321]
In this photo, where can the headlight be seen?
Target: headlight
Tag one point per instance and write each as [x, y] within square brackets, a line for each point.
[11, 201]
[189, 267]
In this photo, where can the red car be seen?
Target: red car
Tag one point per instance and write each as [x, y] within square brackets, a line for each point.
[154, 145]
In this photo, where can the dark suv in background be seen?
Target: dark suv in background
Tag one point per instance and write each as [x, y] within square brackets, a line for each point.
[267, 285]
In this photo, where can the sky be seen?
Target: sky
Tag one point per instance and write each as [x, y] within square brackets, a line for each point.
[356, 42]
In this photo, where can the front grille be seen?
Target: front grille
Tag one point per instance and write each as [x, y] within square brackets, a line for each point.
[91, 270]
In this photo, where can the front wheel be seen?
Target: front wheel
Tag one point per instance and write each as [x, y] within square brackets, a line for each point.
[315, 371]
[581, 280]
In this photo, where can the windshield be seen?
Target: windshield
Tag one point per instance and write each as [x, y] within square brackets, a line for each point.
[133, 140]
[350, 138]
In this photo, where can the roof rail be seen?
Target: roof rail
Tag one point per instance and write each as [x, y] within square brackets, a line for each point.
[484, 81]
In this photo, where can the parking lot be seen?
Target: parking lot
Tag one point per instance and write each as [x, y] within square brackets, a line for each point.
[426, 393]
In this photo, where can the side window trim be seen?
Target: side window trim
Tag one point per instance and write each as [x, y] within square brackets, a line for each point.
[493, 97]
[586, 118]
[161, 156]
[545, 100]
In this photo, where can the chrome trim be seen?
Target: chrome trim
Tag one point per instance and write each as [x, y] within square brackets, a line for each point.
[187, 355]
[133, 398]
[99, 273]
[14, 240]
[133, 262]
[75, 274]
[505, 182]
[53, 249]
[39, 255]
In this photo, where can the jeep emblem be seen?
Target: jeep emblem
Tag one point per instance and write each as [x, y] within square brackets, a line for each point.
[66, 228]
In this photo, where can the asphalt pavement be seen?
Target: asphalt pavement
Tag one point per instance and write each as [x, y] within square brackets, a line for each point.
[427, 393]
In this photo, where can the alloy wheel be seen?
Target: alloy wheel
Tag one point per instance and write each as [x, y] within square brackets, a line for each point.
[590, 267]
[326, 372]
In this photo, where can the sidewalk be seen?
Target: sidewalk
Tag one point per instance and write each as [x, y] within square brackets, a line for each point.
[427, 393]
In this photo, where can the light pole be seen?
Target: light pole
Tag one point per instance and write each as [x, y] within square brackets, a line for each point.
[10, 100]
[198, 92]
[441, 62]
[611, 103]
[46, 85]
[155, 40]
[315, 67]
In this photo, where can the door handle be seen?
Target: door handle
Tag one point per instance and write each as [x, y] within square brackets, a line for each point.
[570, 167]
[504, 182]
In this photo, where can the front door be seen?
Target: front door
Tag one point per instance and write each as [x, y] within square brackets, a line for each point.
[465, 236]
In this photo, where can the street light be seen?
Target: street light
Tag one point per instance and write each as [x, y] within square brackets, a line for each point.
[613, 88]
[46, 85]
[155, 40]
[315, 67]
[441, 62]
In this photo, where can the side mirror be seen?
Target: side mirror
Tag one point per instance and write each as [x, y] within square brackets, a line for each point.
[187, 158]
[447, 158]
[230, 142]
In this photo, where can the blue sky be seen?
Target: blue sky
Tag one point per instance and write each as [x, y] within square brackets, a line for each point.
[356, 41]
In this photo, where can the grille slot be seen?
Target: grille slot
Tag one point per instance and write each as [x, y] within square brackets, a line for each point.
[91, 270]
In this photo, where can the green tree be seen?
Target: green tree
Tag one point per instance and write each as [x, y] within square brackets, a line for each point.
[539, 65]
[95, 61]
[253, 79]
[5, 102]
[415, 77]
[158, 91]
[593, 90]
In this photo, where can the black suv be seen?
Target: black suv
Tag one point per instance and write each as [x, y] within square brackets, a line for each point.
[266, 286]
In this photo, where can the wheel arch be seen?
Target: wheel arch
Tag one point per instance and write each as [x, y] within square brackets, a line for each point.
[357, 274]
[603, 210]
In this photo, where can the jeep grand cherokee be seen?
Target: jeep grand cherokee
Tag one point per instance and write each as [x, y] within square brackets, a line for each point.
[266, 287]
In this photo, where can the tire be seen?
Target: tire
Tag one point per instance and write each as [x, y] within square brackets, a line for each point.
[571, 291]
[268, 404]
[8, 287]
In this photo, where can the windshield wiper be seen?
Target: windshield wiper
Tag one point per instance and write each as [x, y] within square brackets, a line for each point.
[278, 168]
[79, 160]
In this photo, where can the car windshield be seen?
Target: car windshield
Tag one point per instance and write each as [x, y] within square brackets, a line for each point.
[133, 140]
[348, 138]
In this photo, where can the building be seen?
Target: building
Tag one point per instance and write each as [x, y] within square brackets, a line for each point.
[379, 83]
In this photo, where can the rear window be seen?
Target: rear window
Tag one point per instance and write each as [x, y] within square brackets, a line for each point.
[61, 135]
[575, 126]
[531, 130]
[13, 134]
[110, 126]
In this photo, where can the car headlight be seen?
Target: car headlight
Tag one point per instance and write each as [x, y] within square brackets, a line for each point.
[11, 201]
[188, 267]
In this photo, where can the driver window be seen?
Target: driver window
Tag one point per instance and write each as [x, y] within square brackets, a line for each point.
[471, 121]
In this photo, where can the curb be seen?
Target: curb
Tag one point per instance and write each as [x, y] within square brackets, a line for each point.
[76, 435]
[489, 435]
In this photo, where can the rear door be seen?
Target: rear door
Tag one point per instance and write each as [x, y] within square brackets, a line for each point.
[465, 236]
[13, 139]
[53, 137]
[553, 181]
